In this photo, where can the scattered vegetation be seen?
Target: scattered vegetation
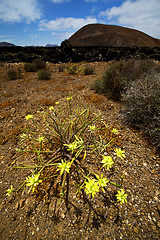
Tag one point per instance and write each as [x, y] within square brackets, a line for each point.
[38, 64]
[88, 70]
[66, 147]
[12, 74]
[72, 69]
[44, 74]
[35, 66]
[28, 67]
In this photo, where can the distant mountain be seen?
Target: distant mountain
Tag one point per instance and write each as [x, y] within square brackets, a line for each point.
[51, 45]
[111, 36]
[7, 44]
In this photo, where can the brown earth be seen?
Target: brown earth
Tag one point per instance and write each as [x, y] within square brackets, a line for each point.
[24, 217]
[111, 36]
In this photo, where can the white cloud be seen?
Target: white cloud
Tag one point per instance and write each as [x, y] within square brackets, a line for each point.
[3, 36]
[16, 11]
[66, 24]
[59, 1]
[59, 37]
[33, 36]
[143, 15]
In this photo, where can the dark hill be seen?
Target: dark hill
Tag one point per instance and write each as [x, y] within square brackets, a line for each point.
[111, 36]
[6, 44]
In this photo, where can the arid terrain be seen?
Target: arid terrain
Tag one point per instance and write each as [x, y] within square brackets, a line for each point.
[25, 216]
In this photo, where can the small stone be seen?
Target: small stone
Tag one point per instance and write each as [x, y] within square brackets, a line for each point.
[16, 206]
[1, 207]
[21, 202]
[62, 215]
[136, 230]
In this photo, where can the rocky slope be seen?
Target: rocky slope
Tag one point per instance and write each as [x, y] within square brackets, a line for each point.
[111, 36]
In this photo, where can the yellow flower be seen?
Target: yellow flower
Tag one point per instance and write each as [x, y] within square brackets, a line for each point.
[64, 166]
[10, 191]
[72, 146]
[91, 187]
[28, 117]
[33, 181]
[69, 98]
[56, 103]
[107, 161]
[121, 196]
[92, 128]
[115, 131]
[120, 153]
[41, 139]
[102, 182]
[51, 108]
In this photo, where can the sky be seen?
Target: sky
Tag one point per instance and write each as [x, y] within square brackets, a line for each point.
[39, 22]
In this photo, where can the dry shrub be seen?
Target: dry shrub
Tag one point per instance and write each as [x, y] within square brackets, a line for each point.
[88, 70]
[142, 106]
[12, 74]
[44, 74]
[38, 64]
[119, 76]
[28, 67]
[35, 66]
[61, 68]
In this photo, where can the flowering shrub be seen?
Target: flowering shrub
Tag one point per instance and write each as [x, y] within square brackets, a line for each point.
[64, 146]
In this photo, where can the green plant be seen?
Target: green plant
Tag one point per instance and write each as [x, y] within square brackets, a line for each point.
[36, 65]
[73, 69]
[141, 106]
[12, 74]
[28, 67]
[88, 70]
[119, 76]
[65, 146]
[44, 74]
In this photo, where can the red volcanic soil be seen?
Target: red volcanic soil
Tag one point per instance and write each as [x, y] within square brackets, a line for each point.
[111, 36]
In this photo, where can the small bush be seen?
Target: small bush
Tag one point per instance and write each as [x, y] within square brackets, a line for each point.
[44, 74]
[119, 76]
[35, 66]
[88, 70]
[12, 74]
[142, 106]
[61, 68]
[38, 64]
[72, 70]
[28, 67]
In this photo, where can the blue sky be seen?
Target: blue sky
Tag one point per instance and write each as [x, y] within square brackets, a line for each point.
[39, 22]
